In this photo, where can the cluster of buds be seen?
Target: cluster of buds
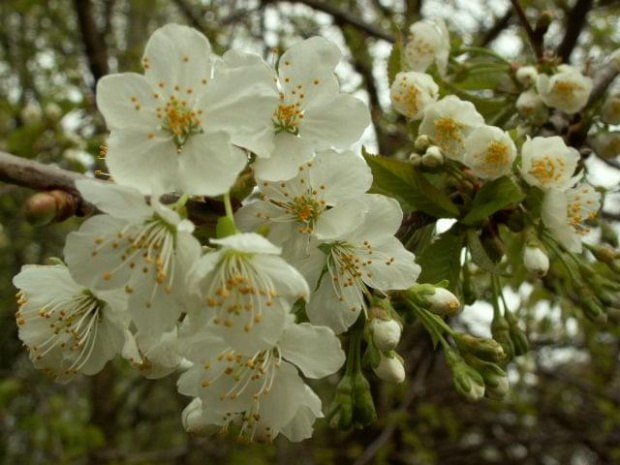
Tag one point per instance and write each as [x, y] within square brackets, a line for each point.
[352, 406]
[383, 333]
[426, 155]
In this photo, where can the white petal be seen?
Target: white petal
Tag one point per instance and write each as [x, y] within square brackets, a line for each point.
[52, 282]
[339, 123]
[341, 220]
[286, 279]
[253, 215]
[127, 102]
[300, 427]
[290, 152]
[177, 55]
[314, 349]
[119, 201]
[344, 175]
[309, 261]
[248, 242]
[135, 159]
[326, 309]
[310, 64]
[383, 219]
[208, 164]
[392, 267]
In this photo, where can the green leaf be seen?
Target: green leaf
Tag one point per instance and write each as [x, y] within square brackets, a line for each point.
[401, 180]
[492, 197]
[394, 62]
[442, 259]
[479, 255]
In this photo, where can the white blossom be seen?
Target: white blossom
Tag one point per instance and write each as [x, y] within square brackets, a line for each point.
[68, 328]
[428, 42]
[531, 106]
[321, 201]
[390, 368]
[154, 355]
[385, 333]
[448, 122]
[145, 249]
[262, 391]
[247, 290]
[567, 90]
[174, 127]
[312, 114]
[610, 112]
[565, 214]
[412, 92]
[527, 75]
[489, 152]
[369, 256]
[535, 260]
[548, 163]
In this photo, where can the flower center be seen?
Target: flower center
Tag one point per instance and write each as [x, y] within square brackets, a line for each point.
[179, 120]
[566, 89]
[495, 157]
[408, 96]
[582, 206]
[288, 117]
[548, 169]
[448, 132]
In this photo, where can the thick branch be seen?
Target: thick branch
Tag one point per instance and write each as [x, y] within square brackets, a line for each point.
[94, 43]
[535, 40]
[575, 22]
[345, 17]
[500, 25]
[603, 78]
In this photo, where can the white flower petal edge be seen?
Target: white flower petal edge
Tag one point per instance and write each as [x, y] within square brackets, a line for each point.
[428, 42]
[565, 214]
[412, 92]
[67, 328]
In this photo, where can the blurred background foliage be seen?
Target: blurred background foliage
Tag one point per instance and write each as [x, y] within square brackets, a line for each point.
[564, 405]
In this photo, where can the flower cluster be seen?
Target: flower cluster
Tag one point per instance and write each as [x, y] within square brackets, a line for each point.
[138, 282]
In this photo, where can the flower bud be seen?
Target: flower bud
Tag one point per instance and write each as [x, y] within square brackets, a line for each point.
[385, 334]
[517, 335]
[390, 368]
[31, 113]
[433, 157]
[500, 329]
[340, 414]
[495, 379]
[610, 112]
[422, 143]
[443, 302]
[530, 105]
[53, 111]
[415, 159]
[364, 412]
[535, 261]
[195, 422]
[466, 379]
[526, 75]
[482, 348]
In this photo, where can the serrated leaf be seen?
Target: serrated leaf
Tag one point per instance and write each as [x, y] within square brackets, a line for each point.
[492, 197]
[442, 259]
[401, 180]
[479, 255]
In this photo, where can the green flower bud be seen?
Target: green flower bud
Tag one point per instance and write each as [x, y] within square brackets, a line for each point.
[517, 335]
[364, 412]
[495, 379]
[467, 381]
[340, 414]
[501, 333]
[482, 348]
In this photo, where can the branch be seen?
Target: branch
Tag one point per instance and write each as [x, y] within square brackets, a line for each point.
[42, 177]
[534, 38]
[603, 78]
[94, 43]
[575, 22]
[343, 17]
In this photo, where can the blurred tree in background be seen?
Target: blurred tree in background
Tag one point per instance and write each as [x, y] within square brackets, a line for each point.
[564, 407]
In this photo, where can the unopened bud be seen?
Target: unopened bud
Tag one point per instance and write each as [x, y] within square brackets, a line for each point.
[415, 159]
[53, 111]
[495, 379]
[482, 348]
[422, 143]
[526, 75]
[385, 334]
[364, 412]
[467, 381]
[536, 261]
[500, 329]
[433, 157]
[517, 335]
[195, 422]
[610, 112]
[443, 302]
[46, 207]
[340, 414]
[603, 253]
[390, 368]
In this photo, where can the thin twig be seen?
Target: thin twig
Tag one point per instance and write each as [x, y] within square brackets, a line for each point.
[535, 41]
